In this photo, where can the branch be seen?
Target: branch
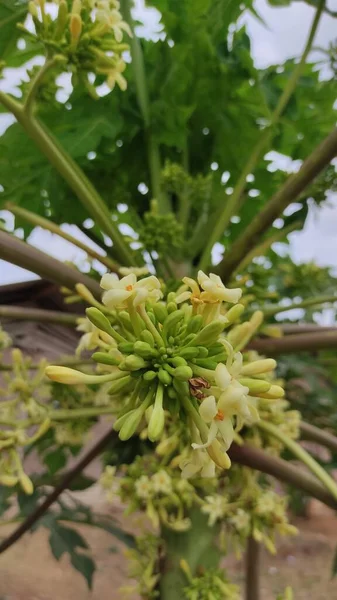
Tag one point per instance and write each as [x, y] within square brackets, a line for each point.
[37, 81]
[231, 204]
[293, 187]
[252, 577]
[72, 174]
[144, 105]
[261, 249]
[23, 255]
[305, 342]
[39, 511]
[283, 470]
[301, 454]
[39, 221]
[324, 438]
[272, 309]
[20, 313]
[289, 329]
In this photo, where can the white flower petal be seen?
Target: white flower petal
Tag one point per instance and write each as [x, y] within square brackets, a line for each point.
[226, 431]
[183, 297]
[115, 297]
[109, 281]
[208, 409]
[222, 376]
[211, 437]
[150, 283]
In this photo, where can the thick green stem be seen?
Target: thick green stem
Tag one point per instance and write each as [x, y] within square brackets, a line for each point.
[19, 313]
[144, 106]
[37, 81]
[232, 202]
[292, 188]
[314, 434]
[72, 174]
[252, 560]
[38, 221]
[197, 547]
[301, 455]
[23, 255]
[305, 342]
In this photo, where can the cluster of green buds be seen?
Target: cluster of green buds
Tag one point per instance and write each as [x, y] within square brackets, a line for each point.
[161, 233]
[143, 567]
[181, 355]
[23, 397]
[179, 183]
[155, 489]
[85, 36]
[209, 584]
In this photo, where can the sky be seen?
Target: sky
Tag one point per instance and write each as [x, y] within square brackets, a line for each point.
[282, 36]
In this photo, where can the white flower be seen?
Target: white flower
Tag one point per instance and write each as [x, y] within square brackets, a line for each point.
[219, 425]
[197, 462]
[241, 520]
[234, 400]
[143, 487]
[119, 291]
[161, 482]
[215, 291]
[91, 337]
[215, 507]
[266, 504]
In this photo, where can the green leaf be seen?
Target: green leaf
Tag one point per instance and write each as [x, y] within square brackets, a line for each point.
[63, 539]
[85, 565]
[10, 14]
[55, 460]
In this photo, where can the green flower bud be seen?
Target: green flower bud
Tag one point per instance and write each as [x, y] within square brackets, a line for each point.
[8, 480]
[183, 373]
[144, 350]
[61, 20]
[206, 363]
[119, 385]
[97, 318]
[121, 420]
[171, 307]
[131, 424]
[259, 366]
[178, 361]
[133, 362]
[164, 377]
[171, 321]
[160, 311]
[150, 375]
[256, 386]
[203, 352]
[209, 334]
[215, 349]
[147, 336]
[26, 483]
[189, 353]
[126, 347]
[157, 419]
[105, 359]
[234, 313]
[274, 392]
[125, 320]
[194, 324]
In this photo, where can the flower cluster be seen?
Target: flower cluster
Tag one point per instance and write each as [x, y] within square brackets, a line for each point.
[178, 356]
[211, 583]
[85, 36]
[158, 491]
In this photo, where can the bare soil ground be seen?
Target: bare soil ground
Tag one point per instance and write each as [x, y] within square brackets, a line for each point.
[29, 572]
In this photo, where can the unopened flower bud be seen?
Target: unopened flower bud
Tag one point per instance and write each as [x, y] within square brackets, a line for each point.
[274, 392]
[75, 28]
[218, 455]
[131, 424]
[61, 20]
[160, 311]
[76, 7]
[164, 377]
[194, 324]
[256, 386]
[259, 366]
[107, 359]
[234, 313]
[97, 318]
[8, 480]
[157, 419]
[133, 362]
[26, 483]
[144, 350]
[147, 336]
[209, 334]
[150, 375]
[119, 385]
[183, 373]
